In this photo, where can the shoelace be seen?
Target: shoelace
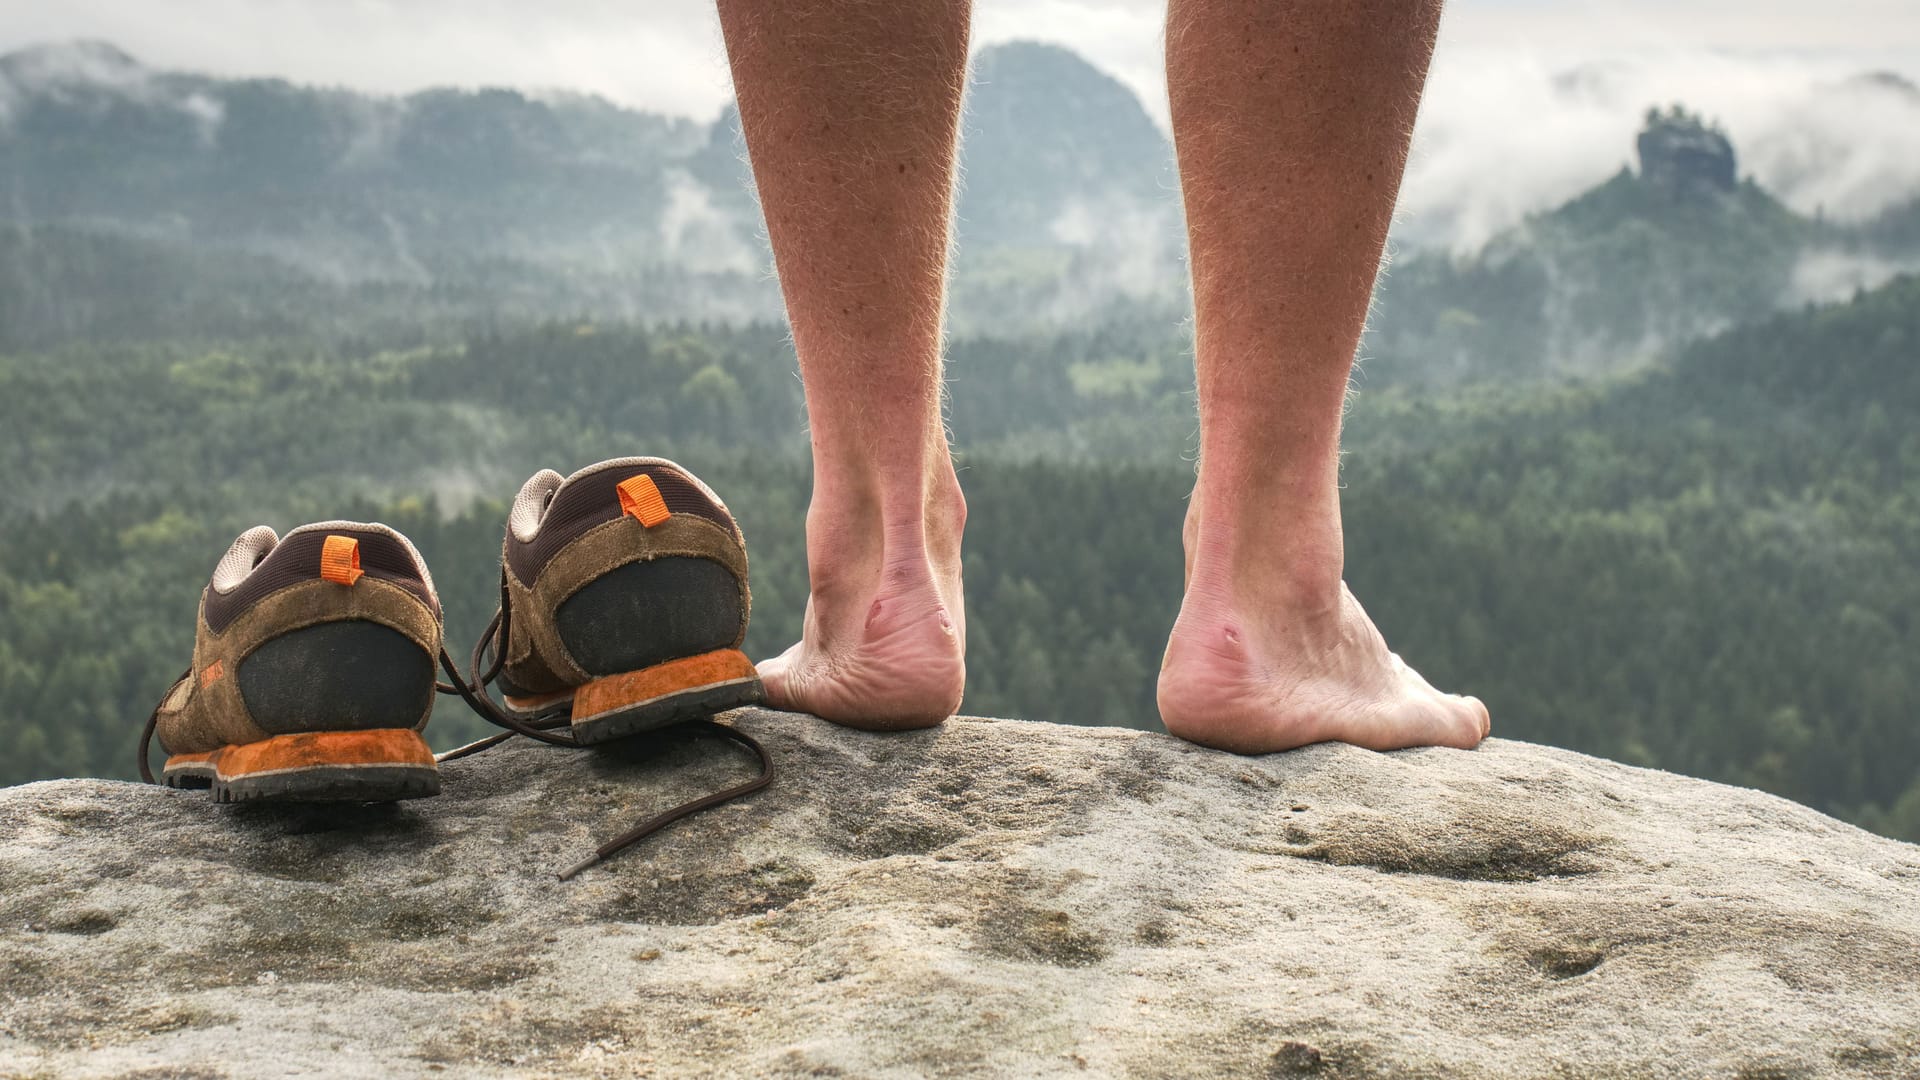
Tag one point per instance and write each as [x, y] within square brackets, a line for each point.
[472, 689]
[485, 665]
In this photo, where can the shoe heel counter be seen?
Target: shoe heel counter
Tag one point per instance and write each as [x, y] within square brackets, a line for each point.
[351, 674]
[651, 611]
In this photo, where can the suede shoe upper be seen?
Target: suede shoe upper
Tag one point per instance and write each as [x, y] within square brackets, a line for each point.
[309, 632]
[624, 564]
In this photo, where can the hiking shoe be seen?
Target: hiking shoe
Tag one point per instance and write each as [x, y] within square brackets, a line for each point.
[623, 602]
[312, 672]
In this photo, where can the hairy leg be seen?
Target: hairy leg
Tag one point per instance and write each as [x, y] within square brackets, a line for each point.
[851, 111]
[1292, 121]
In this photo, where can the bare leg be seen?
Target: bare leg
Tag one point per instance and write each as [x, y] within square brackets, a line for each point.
[1292, 121]
[851, 111]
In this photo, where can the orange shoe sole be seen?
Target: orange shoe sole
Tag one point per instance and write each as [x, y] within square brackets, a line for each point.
[320, 766]
[690, 688]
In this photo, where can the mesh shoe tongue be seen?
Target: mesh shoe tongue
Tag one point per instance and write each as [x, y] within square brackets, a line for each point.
[530, 506]
[240, 559]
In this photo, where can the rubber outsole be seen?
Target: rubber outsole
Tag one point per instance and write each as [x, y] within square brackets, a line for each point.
[673, 692]
[694, 703]
[336, 783]
[326, 766]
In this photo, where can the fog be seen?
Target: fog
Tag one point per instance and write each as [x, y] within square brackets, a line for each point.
[1516, 117]
[1504, 133]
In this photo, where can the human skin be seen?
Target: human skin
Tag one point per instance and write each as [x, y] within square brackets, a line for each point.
[851, 110]
[1292, 122]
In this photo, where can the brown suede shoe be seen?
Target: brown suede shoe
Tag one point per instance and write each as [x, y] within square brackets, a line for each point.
[623, 602]
[312, 672]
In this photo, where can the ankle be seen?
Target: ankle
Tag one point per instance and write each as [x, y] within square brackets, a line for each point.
[945, 509]
[879, 500]
[867, 525]
[1265, 557]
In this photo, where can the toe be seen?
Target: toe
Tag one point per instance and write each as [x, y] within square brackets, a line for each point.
[776, 680]
[1478, 721]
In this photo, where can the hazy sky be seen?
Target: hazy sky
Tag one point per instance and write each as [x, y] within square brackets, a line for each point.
[665, 54]
[1501, 131]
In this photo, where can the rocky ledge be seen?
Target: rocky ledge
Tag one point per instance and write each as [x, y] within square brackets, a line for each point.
[992, 897]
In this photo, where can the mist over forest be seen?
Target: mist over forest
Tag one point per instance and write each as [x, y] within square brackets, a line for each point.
[1635, 453]
[1069, 209]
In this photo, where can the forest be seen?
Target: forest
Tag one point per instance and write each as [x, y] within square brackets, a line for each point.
[1643, 472]
[1710, 564]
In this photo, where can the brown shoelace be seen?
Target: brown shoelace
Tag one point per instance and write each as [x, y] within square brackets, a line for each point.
[484, 666]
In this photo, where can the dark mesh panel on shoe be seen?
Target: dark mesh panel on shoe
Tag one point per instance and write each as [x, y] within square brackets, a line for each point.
[297, 559]
[589, 500]
[351, 675]
[646, 613]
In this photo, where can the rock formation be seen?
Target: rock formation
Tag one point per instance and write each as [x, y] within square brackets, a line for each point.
[1684, 156]
[994, 897]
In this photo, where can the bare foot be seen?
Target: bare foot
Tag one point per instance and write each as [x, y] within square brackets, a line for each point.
[1258, 678]
[883, 646]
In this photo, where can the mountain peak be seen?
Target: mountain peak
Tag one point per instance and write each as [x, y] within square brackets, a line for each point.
[1681, 153]
[1020, 67]
[1046, 134]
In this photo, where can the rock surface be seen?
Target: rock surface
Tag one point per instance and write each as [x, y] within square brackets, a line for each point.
[992, 897]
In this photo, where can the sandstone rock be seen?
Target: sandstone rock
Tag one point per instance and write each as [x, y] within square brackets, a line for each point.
[994, 897]
[1683, 155]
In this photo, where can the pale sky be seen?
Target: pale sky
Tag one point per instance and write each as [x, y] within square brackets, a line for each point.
[665, 54]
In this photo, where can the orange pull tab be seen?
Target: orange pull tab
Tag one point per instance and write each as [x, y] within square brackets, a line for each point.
[640, 497]
[340, 560]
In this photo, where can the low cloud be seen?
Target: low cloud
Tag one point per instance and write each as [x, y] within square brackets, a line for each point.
[700, 236]
[1822, 277]
[97, 73]
[1504, 134]
[1515, 120]
[1124, 250]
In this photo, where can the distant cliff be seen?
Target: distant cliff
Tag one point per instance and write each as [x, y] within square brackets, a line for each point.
[990, 898]
[1683, 155]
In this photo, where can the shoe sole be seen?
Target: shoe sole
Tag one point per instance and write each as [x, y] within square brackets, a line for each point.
[690, 688]
[321, 766]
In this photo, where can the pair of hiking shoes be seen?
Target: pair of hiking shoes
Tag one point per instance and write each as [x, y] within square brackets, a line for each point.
[623, 604]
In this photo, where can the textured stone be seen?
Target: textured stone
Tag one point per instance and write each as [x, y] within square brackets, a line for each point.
[991, 897]
[1684, 156]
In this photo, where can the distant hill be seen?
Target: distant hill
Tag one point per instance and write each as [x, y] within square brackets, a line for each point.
[1068, 190]
[343, 184]
[1677, 250]
[1051, 147]
[1062, 164]
[454, 207]
[1749, 503]
[1710, 565]
[340, 186]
